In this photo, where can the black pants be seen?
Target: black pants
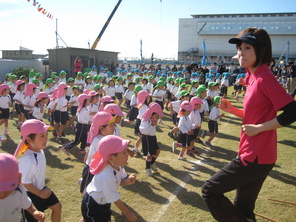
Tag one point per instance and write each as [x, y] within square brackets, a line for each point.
[247, 180]
[80, 137]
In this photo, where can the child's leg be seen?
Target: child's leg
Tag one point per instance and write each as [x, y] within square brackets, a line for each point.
[56, 212]
[120, 102]
[212, 136]
[62, 127]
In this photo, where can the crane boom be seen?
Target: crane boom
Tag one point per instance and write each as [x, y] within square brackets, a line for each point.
[106, 25]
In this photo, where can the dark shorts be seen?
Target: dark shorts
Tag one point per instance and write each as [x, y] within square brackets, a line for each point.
[73, 110]
[184, 138]
[137, 126]
[169, 95]
[223, 90]
[86, 178]
[149, 145]
[4, 113]
[213, 126]
[119, 96]
[19, 108]
[160, 103]
[61, 117]
[40, 204]
[94, 212]
[133, 113]
[195, 134]
[28, 115]
[238, 87]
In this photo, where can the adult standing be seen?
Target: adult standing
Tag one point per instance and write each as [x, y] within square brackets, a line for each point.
[77, 65]
[258, 141]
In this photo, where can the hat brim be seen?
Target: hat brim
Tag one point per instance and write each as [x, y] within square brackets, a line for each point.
[242, 39]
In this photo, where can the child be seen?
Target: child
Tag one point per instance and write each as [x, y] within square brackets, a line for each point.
[110, 89]
[107, 167]
[49, 86]
[61, 113]
[194, 85]
[128, 94]
[119, 90]
[134, 111]
[74, 104]
[33, 166]
[70, 88]
[105, 100]
[88, 83]
[159, 93]
[102, 125]
[82, 126]
[37, 91]
[195, 119]
[115, 110]
[29, 100]
[62, 78]
[5, 103]
[79, 81]
[225, 85]
[149, 140]
[13, 197]
[213, 122]
[93, 71]
[168, 92]
[18, 99]
[185, 129]
[40, 105]
[93, 107]
[212, 92]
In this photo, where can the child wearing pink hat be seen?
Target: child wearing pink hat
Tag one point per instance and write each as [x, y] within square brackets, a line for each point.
[18, 99]
[143, 101]
[13, 197]
[33, 168]
[115, 110]
[40, 106]
[50, 110]
[107, 166]
[93, 107]
[185, 129]
[149, 140]
[29, 100]
[82, 126]
[195, 119]
[104, 101]
[61, 111]
[5, 103]
[102, 125]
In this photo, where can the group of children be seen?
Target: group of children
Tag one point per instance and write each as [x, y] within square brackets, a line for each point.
[98, 116]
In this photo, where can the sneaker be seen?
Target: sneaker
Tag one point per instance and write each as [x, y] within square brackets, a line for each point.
[65, 150]
[171, 134]
[174, 146]
[54, 133]
[136, 151]
[3, 139]
[198, 140]
[81, 151]
[181, 158]
[209, 144]
[79, 181]
[154, 167]
[149, 172]
[59, 139]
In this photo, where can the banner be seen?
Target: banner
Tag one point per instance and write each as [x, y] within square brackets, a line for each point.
[41, 9]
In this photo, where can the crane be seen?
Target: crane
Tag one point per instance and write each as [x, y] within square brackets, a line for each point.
[106, 25]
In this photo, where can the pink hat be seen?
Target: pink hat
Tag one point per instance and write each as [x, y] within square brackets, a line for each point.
[19, 82]
[42, 95]
[81, 99]
[114, 109]
[29, 89]
[31, 126]
[153, 108]
[108, 145]
[61, 89]
[105, 99]
[3, 86]
[86, 91]
[196, 100]
[54, 94]
[186, 105]
[92, 93]
[141, 97]
[9, 172]
[100, 119]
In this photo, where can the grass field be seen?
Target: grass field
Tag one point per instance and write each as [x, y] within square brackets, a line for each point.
[174, 192]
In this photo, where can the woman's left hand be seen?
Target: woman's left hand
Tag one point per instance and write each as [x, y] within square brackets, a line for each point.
[251, 129]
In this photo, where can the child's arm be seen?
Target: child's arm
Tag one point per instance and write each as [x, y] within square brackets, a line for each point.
[36, 214]
[129, 181]
[44, 194]
[129, 215]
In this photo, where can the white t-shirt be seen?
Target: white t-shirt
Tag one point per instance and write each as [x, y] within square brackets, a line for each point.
[176, 105]
[141, 111]
[147, 129]
[83, 116]
[11, 206]
[215, 112]
[19, 95]
[159, 93]
[37, 114]
[133, 100]
[128, 94]
[61, 104]
[110, 91]
[93, 148]
[119, 88]
[185, 124]
[29, 101]
[5, 101]
[104, 186]
[212, 93]
[32, 165]
[195, 117]
[74, 99]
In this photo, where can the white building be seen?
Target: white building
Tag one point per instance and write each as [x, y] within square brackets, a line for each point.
[217, 29]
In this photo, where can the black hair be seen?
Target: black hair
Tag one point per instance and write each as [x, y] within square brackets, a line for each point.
[32, 136]
[19, 86]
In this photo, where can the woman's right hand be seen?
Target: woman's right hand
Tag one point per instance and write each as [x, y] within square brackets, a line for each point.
[225, 105]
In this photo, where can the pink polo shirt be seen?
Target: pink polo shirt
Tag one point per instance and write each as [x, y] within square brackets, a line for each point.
[264, 97]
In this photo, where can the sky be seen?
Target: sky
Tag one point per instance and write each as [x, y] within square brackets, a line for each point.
[155, 22]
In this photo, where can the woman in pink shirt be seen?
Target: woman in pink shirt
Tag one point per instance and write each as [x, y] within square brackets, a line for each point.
[258, 141]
